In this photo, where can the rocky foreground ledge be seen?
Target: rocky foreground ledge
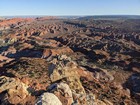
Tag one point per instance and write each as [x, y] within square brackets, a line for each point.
[59, 81]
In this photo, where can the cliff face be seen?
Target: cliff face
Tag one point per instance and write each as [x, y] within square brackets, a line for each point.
[51, 61]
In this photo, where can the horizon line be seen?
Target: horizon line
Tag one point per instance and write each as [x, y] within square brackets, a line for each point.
[76, 15]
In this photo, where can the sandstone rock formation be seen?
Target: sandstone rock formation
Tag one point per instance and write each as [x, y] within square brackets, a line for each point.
[16, 90]
[63, 92]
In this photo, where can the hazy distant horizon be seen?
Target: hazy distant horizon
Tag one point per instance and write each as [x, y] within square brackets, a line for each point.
[61, 15]
[79, 17]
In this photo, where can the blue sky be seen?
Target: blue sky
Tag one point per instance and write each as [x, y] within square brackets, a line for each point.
[69, 7]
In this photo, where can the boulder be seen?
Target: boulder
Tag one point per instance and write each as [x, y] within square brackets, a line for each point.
[63, 92]
[8, 83]
[17, 94]
[61, 68]
[15, 89]
[48, 99]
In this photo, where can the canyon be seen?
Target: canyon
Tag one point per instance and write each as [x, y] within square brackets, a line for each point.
[69, 61]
